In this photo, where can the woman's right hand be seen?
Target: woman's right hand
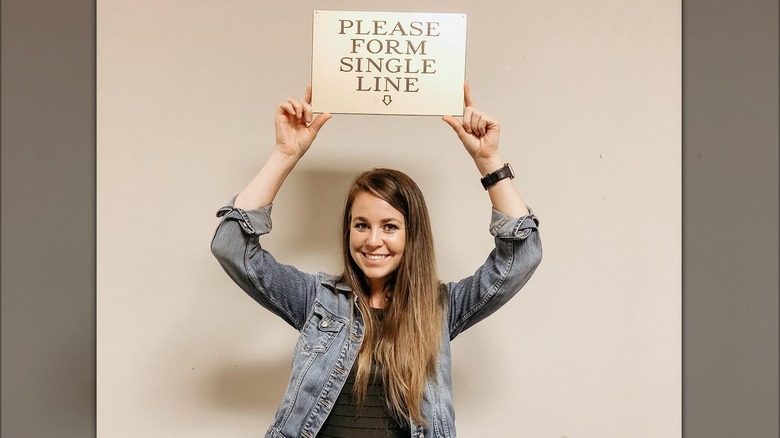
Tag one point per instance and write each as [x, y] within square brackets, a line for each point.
[295, 127]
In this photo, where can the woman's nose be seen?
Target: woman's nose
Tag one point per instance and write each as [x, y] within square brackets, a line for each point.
[374, 238]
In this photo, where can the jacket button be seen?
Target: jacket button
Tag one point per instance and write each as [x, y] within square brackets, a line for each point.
[325, 322]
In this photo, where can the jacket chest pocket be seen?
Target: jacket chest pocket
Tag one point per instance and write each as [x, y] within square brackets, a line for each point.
[320, 331]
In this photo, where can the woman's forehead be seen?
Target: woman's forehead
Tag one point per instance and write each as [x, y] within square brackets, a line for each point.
[368, 206]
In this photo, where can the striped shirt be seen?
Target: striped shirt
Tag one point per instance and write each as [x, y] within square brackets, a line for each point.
[373, 419]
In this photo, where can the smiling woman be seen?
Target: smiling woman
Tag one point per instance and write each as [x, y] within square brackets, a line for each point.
[373, 357]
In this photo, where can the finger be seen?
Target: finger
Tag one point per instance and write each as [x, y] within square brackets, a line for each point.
[467, 114]
[482, 124]
[318, 122]
[307, 95]
[467, 94]
[492, 125]
[474, 122]
[307, 112]
[477, 123]
[287, 108]
[298, 107]
[476, 116]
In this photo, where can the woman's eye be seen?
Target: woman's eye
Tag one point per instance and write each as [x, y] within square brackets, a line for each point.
[390, 227]
[361, 227]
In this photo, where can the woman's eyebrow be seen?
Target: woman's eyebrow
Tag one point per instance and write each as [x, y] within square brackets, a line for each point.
[383, 221]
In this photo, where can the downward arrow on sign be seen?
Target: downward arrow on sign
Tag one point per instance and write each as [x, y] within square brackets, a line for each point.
[387, 99]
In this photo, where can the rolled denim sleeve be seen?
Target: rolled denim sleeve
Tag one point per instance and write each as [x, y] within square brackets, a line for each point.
[517, 253]
[280, 288]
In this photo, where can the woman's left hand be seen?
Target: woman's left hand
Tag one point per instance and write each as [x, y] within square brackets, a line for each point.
[478, 131]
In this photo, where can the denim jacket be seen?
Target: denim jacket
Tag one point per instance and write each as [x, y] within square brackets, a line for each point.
[324, 311]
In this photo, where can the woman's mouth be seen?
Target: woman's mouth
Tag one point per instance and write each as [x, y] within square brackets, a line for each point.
[375, 257]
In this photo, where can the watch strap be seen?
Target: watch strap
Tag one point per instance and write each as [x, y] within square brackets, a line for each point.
[496, 176]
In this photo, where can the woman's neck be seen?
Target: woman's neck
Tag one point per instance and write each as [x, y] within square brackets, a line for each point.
[377, 300]
[377, 292]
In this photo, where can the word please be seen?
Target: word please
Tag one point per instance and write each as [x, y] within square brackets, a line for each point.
[377, 27]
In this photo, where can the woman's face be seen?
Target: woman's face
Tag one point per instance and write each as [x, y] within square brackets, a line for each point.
[377, 238]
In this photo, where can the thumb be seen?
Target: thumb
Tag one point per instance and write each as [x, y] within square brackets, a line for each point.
[318, 122]
[456, 126]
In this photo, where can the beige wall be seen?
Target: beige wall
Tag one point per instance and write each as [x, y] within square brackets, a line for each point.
[589, 97]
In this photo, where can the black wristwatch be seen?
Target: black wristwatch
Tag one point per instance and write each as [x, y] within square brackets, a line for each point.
[494, 177]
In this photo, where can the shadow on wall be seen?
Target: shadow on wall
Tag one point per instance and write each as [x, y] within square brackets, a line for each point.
[306, 217]
[256, 387]
[306, 224]
[472, 381]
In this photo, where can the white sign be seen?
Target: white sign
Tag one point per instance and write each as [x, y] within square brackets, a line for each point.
[409, 63]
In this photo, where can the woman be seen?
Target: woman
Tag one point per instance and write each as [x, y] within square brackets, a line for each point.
[373, 356]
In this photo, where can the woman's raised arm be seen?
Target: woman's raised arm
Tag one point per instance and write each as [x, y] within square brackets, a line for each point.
[296, 129]
[480, 134]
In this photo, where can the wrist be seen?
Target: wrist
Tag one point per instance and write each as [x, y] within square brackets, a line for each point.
[486, 165]
[281, 155]
[282, 161]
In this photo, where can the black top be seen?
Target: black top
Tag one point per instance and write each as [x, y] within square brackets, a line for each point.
[373, 419]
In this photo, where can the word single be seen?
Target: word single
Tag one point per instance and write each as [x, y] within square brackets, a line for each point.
[388, 65]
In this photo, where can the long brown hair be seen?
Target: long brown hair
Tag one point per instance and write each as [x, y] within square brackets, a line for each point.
[405, 345]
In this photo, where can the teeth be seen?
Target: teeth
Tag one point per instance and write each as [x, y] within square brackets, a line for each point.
[375, 256]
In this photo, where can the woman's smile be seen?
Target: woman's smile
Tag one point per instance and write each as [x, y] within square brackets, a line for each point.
[376, 256]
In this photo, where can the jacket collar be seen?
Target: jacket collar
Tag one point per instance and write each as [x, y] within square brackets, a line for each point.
[332, 282]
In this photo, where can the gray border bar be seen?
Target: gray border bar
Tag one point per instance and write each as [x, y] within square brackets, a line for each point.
[48, 218]
[730, 219]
